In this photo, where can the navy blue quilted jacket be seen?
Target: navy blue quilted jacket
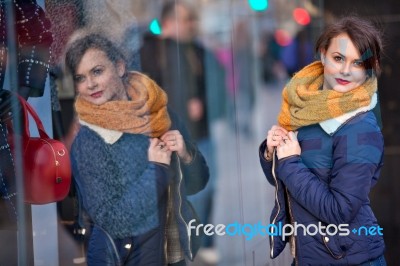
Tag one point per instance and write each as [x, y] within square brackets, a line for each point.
[328, 184]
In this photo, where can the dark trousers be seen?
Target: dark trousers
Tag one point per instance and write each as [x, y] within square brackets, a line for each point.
[179, 263]
[145, 249]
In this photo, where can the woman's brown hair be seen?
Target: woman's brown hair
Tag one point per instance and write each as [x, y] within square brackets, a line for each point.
[365, 36]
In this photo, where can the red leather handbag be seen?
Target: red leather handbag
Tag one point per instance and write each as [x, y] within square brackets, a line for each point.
[47, 165]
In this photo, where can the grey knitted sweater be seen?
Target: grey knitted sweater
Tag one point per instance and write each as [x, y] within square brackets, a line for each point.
[119, 188]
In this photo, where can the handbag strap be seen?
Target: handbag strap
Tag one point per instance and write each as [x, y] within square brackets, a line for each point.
[27, 108]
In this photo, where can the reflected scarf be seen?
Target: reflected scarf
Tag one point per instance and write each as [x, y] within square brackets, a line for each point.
[146, 112]
[304, 103]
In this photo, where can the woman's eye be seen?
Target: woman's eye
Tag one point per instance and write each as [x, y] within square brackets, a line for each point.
[97, 71]
[338, 58]
[78, 79]
[359, 63]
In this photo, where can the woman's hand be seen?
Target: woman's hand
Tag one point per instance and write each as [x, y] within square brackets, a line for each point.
[159, 152]
[275, 135]
[288, 147]
[175, 142]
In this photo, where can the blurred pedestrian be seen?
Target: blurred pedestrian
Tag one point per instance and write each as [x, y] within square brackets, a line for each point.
[177, 61]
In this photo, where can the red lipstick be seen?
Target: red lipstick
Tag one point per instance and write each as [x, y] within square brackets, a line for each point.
[342, 81]
[97, 94]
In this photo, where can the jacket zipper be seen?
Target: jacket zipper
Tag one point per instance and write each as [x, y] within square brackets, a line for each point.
[291, 221]
[289, 205]
[166, 237]
[333, 255]
[180, 205]
[277, 202]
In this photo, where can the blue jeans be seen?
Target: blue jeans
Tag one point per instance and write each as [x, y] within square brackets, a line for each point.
[146, 249]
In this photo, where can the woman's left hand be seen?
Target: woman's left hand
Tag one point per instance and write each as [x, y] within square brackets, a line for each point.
[175, 142]
[288, 147]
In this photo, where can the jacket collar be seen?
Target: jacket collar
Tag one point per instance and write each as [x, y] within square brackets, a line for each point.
[330, 126]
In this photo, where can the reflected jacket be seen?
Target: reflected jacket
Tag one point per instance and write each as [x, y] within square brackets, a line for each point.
[328, 184]
[126, 195]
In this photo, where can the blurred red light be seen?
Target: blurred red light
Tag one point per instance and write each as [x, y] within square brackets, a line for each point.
[301, 16]
[282, 37]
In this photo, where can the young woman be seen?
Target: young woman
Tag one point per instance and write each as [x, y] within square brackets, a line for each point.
[326, 153]
[132, 160]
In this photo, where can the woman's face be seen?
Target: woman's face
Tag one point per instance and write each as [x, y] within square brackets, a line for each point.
[343, 67]
[98, 80]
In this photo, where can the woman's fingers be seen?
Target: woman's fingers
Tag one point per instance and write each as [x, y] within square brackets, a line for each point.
[289, 146]
[275, 135]
[279, 130]
[153, 143]
[292, 136]
[158, 151]
[174, 140]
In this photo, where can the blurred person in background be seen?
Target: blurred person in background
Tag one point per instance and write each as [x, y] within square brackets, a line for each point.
[191, 76]
[242, 87]
[326, 154]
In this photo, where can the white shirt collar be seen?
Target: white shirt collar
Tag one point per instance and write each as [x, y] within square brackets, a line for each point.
[331, 125]
[108, 135]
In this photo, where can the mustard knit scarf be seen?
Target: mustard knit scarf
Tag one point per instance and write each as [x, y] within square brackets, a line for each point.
[146, 112]
[305, 104]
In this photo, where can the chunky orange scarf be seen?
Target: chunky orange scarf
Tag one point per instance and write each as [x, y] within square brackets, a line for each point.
[304, 103]
[146, 112]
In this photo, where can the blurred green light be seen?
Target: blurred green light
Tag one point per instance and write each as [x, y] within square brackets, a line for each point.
[258, 5]
[155, 27]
